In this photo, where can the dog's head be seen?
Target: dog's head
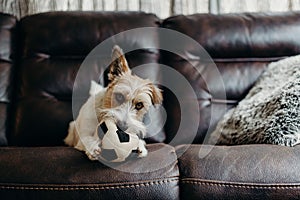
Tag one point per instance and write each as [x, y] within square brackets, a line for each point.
[128, 97]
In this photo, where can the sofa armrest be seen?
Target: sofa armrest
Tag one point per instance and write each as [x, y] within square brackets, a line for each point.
[239, 172]
[65, 173]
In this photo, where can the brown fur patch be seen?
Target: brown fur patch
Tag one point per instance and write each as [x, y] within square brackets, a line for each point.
[119, 64]
[157, 97]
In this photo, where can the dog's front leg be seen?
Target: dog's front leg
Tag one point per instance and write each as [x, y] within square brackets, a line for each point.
[87, 141]
[92, 143]
[91, 146]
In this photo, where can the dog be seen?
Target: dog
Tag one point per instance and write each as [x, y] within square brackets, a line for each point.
[125, 101]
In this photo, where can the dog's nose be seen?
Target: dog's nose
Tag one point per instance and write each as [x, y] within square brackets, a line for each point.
[122, 125]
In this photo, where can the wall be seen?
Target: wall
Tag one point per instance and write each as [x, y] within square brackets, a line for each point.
[163, 8]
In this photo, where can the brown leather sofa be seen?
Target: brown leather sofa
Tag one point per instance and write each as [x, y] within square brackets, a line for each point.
[39, 58]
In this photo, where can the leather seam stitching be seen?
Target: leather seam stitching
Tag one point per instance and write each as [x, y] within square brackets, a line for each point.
[87, 187]
[241, 185]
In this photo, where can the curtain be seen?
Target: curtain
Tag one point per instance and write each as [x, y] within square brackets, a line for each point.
[162, 8]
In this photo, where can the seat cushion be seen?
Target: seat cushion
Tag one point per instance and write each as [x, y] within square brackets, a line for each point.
[239, 172]
[65, 173]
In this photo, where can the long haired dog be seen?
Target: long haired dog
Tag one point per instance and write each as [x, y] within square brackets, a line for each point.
[125, 100]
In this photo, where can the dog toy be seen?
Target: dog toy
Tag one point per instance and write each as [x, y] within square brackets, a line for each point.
[116, 145]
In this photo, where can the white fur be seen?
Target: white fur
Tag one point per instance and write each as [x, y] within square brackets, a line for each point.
[124, 103]
[95, 88]
[83, 135]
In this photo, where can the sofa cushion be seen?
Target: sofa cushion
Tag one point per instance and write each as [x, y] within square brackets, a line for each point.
[240, 47]
[51, 57]
[65, 173]
[270, 113]
[8, 39]
[239, 172]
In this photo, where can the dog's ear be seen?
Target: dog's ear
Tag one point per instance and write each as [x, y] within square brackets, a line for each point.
[119, 64]
[156, 95]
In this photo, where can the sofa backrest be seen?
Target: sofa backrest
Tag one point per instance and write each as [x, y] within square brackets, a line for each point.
[53, 46]
[241, 45]
[7, 58]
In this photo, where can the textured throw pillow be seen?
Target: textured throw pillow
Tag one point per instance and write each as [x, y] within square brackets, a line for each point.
[270, 113]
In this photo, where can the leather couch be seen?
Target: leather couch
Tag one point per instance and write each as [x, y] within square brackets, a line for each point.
[39, 58]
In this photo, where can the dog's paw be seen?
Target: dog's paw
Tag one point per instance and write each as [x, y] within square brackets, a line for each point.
[94, 152]
[142, 151]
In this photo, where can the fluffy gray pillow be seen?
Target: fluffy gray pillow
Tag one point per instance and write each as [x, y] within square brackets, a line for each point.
[270, 113]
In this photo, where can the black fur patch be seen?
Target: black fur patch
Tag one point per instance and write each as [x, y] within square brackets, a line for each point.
[123, 137]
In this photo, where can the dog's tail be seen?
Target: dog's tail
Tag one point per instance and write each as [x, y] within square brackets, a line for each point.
[95, 88]
[70, 139]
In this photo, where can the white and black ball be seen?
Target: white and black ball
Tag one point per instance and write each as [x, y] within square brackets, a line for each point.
[117, 145]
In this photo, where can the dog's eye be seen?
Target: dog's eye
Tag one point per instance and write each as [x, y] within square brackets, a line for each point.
[139, 106]
[119, 98]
